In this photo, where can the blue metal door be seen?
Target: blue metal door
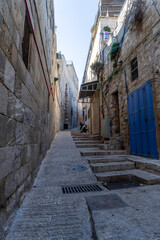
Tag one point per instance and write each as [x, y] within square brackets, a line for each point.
[142, 129]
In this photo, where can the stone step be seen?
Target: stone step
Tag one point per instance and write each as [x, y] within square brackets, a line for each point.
[87, 142]
[83, 138]
[135, 175]
[98, 152]
[112, 166]
[106, 159]
[110, 146]
[86, 145]
[78, 134]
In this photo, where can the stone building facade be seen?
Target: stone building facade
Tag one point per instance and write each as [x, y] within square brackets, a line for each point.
[129, 87]
[68, 83]
[107, 15]
[131, 82]
[28, 101]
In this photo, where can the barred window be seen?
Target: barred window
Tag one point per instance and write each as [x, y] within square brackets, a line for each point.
[134, 69]
[26, 43]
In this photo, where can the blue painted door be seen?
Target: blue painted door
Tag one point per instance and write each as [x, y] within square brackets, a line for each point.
[142, 129]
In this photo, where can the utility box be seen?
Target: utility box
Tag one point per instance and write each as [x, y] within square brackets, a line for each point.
[106, 130]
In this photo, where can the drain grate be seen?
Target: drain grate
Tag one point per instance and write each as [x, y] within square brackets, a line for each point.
[81, 189]
[120, 185]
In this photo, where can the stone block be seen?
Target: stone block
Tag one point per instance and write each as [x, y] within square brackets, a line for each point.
[23, 155]
[17, 40]
[16, 162]
[11, 104]
[14, 56]
[31, 87]
[11, 203]
[11, 132]
[17, 15]
[18, 86]
[2, 65]
[2, 193]
[21, 174]
[9, 78]
[15, 107]
[20, 133]
[26, 96]
[3, 99]
[6, 41]
[9, 158]
[19, 108]
[29, 117]
[21, 69]
[3, 124]
[29, 153]
[29, 135]
[1, 20]
[10, 184]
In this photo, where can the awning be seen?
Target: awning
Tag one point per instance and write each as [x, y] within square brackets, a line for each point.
[87, 89]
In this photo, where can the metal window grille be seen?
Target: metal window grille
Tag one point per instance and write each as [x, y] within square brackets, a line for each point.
[134, 69]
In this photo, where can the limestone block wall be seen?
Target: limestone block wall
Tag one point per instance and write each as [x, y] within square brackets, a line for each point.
[27, 110]
[68, 83]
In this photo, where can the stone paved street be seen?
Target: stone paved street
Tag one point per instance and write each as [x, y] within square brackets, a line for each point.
[48, 214]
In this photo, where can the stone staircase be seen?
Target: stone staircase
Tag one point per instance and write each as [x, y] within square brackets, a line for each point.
[114, 169]
[85, 141]
[111, 164]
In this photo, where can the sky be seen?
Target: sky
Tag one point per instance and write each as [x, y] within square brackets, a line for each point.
[74, 19]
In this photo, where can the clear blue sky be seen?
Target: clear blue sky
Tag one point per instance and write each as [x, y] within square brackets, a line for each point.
[74, 19]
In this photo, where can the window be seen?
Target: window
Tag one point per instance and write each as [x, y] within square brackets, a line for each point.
[26, 43]
[134, 69]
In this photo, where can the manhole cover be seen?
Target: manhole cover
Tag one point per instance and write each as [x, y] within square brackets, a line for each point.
[122, 184]
[78, 168]
[103, 202]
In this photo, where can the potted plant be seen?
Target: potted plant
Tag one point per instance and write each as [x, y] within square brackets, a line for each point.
[107, 29]
[93, 30]
[114, 50]
[96, 68]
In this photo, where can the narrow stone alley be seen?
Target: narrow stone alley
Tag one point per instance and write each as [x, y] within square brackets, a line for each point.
[49, 212]
[79, 132]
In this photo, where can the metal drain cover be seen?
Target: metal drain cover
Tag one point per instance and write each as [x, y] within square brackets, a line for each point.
[122, 184]
[78, 168]
[81, 189]
[103, 202]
